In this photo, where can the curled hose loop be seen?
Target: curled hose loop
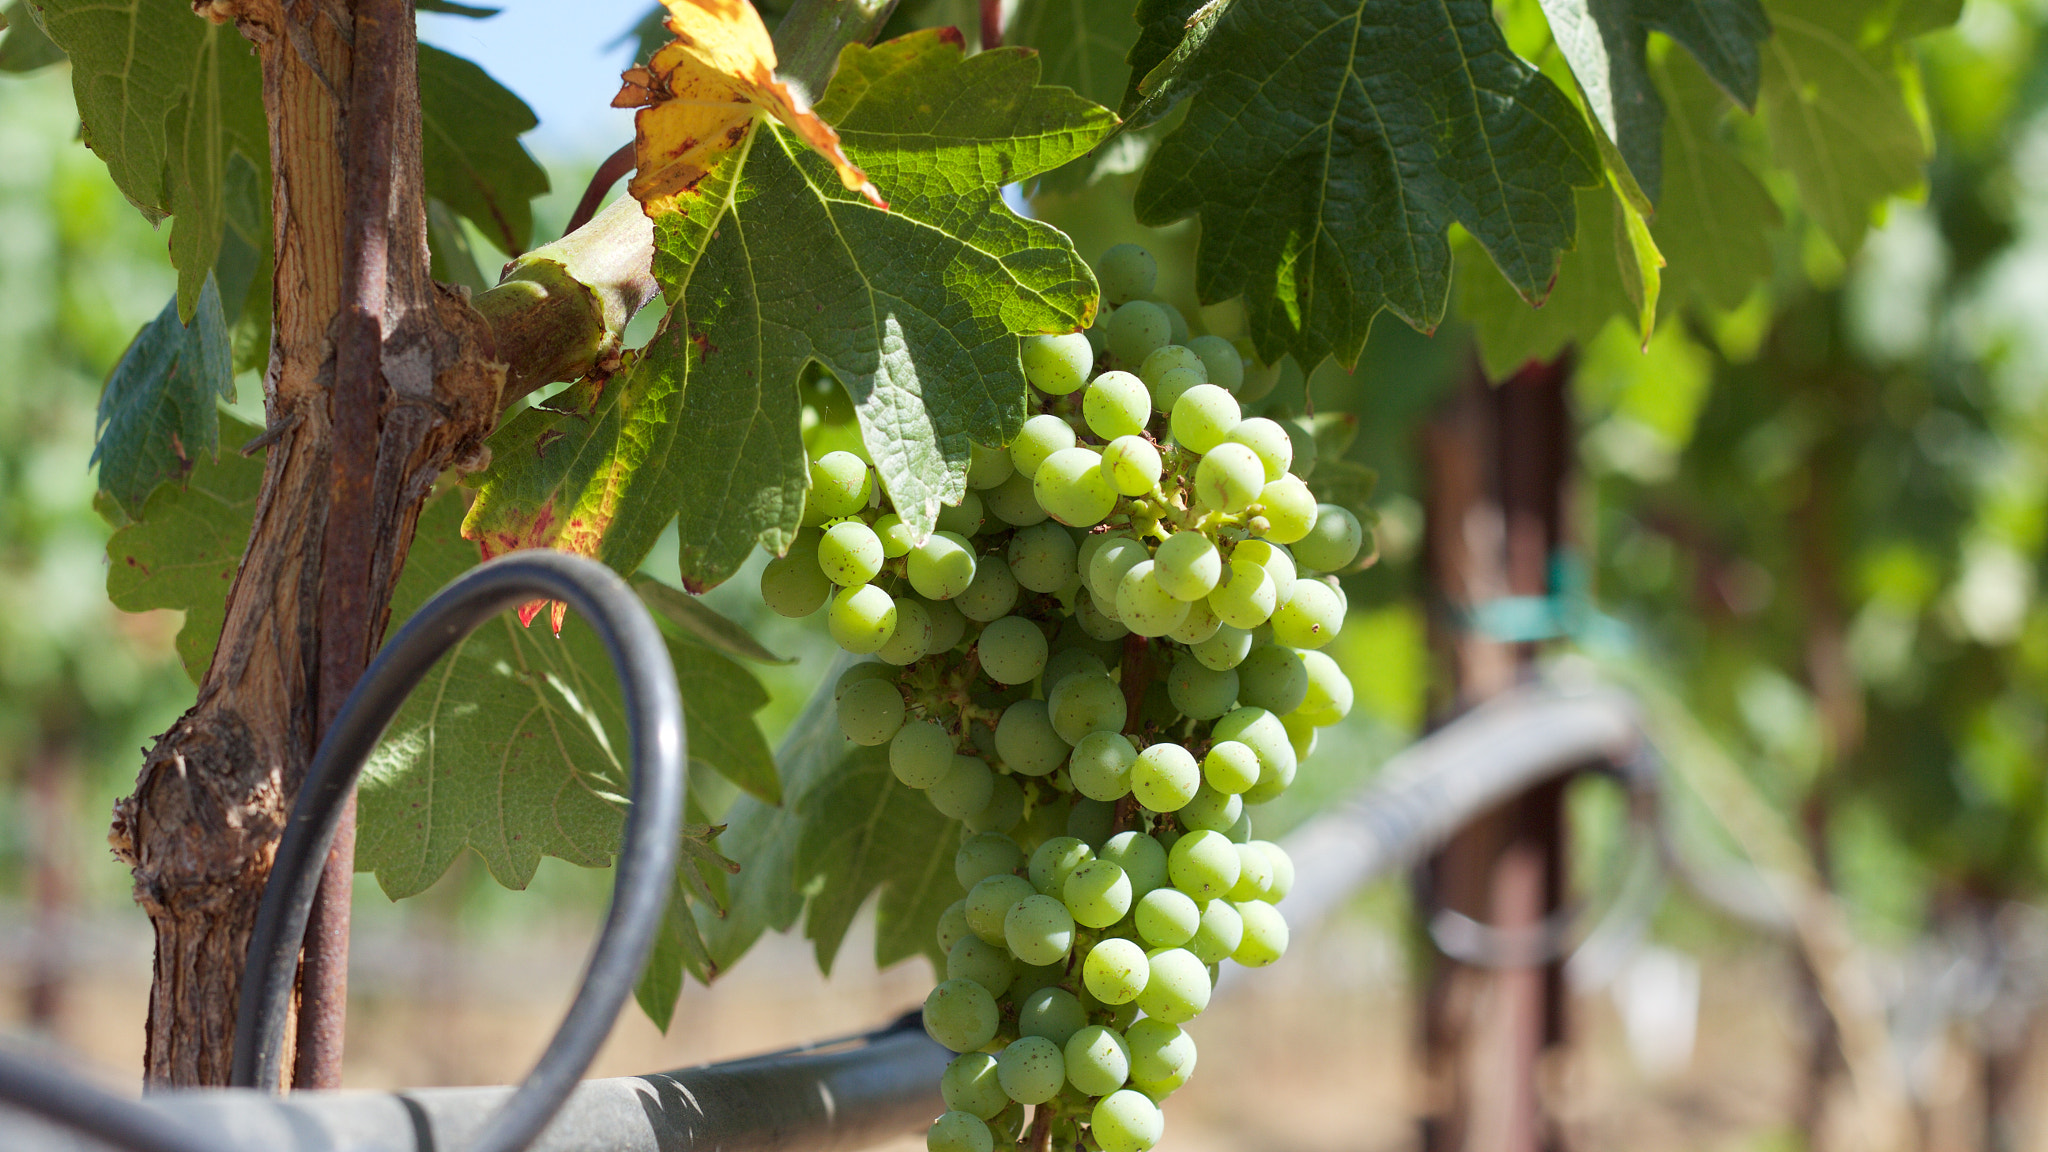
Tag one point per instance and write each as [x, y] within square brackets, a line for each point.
[647, 855]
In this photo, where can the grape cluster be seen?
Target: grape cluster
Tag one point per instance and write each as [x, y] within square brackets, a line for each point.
[1105, 653]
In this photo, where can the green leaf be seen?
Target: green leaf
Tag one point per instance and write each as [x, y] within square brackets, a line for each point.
[157, 414]
[453, 259]
[1348, 485]
[1715, 223]
[26, 47]
[166, 97]
[1331, 146]
[703, 622]
[1172, 33]
[1589, 293]
[182, 551]
[470, 128]
[1081, 43]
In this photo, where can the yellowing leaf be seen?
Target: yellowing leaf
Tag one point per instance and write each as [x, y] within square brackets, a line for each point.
[698, 98]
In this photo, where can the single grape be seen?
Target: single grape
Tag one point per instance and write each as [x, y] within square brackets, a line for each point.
[1055, 860]
[1300, 733]
[1265, 935]
[1259, 379]
[1165, 777]
[962, 1015]
[1004, 809]
[861, 619]
[921, 753]
[1100, 766]
[1219, 933]
[1177, 990]
[1203, 864]
[912, 638]
[1142, 858]
[1230, 767]
[992, 592]
[985, 855]
[948, 625]
[1026, 740]
[1041, 436]
[1012, 650]
[953, 925]
[793, 585]
[964, 790]
[1116, 404]
[1053, 1013]
[1202, 416]
[1288, 508]
[1200, 625]
[1241, 832]
[1042, 557]
[1126, 1121]
[1162, 1056]
[1116, 555]
[1091, 821]
[1069, 660]
[1056, 364]
[1071, 486]
[1094, 621]
[1034, 978]
[969, 1085]
[1274, 778]
[1328, 698]
[1272, 677]
[1114, 973]
[1229, 478]
[1038, 929]
[1135, 329]
[1165, 359]
[987, 467]
[1188, 565]
[1263, 733]
[1013, 503]
[859, 671]
[964, 518]
[1008, 1125]
[1171, 384]
[959, 1132]
[1274, 558]
[1283, 870]
[1200, 692]
[990, 900]
[1031, 1069]
[1144, 606]
[1080, 705]
[1167, 918]
[1254, 877]
[1178, 332]
[871, 711]
[1211, 810]
[1225, 648]
[1125, 272]
[1097, 894]
[1310, 616]
[942, 567]
[841, 485]
[1246, 597]
[1220, 360]
[895, 535]
[1268, 440]
[1132, 465]
[988, 965]
[1333, 542]
[1098, 1060]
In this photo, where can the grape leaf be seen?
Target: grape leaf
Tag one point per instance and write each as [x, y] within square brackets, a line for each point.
[1332, 144]
[1589, 292]
[157, 414]
[473, 161]
[165, 97]
[704, 623]
[26, 47]
[1171, 34]
[1717, 217]
[1081, 43]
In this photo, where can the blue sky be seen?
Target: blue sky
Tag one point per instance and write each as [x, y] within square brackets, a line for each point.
[561, 59]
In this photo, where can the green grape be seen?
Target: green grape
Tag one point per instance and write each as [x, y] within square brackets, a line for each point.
[1116, 555]
[1200, 626]
[1210, 810]
[1055, 860]
[1202, 864]
[1132, 465]
[1259, 379]
[1167, 918]
[1135, 329]
[1178, 988]
[1162, 1056]
[1094, 621]
[1071, 486]
[985, 855]
[1144, 606]
[1090, 821]
[1038, 929]
[1114, 972]
[1165, 359]
[841, 485]
[1068, 661]
[1254, 877]
[986, 964]
[953, 925]
[1031, 1069]
[1275, 559]
[1265, 935]
[942, 567]
[987, 467]
[1300, 733]
[1033, 978]
[1170, 384]
[1026, 741]
[912, 638]
[948, 625]
[961, 1015]
[1274, 778]
[1126, 1121]
[1142, 858]
[1328, 698]
[1013, 502]
[964, 790]
[1053, 1013]
[1246, 597]
[1230, 767]
[870, 711]
[1200, 692]
[1165, 777]
[1333, 542]
[859, 671]
[1098, 1060]
[1178, 333]
[959, 1132]
[969, 1085]
[1240, 832]
[964, 518]
[1056, 364]
[1012, 651]
[1283, 870]
[1288, 508]
[1202, 416]
[1226, 648]
[895, 535]
[1220, 360]
[1263, 733]
[1083, 704]
[1218, 935]
[1116, 404]
[1004, 808]
[1188, 565]
[861, 619]
[921, 753]
[1125, 273]
[1097, 894]
[1041, 436]
[1100, 766]
[992, 592]
[1042, 557]
[1272, 677]
[1229, 478]
[1267, 440]
[990, 900]
[793, 585]
[1309, 616]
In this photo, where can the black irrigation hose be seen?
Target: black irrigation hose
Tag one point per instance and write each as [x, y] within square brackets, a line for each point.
[647, 856]
[46, 1088]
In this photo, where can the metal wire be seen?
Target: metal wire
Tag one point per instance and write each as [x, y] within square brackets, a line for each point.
[647, 855]
[45, 1088]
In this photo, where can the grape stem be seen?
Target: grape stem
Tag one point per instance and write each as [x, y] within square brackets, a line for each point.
[1039, 1137]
